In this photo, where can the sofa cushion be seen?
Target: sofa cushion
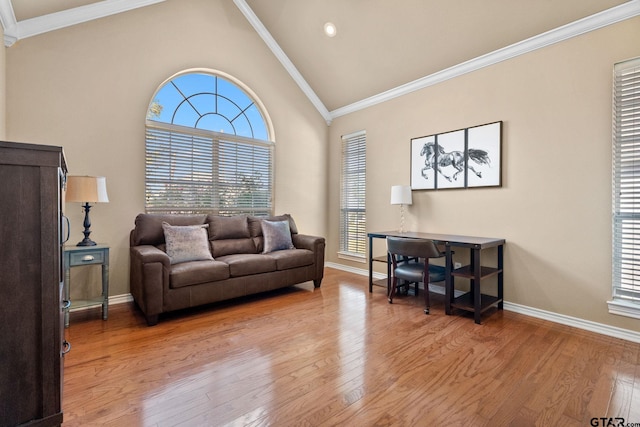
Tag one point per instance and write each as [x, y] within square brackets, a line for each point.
[232, 246]
[228, 227]
[187, 242]
[255, 223]
[148, 227]
[277, 236]
[196, 272]
[292, 258]
[246, 264]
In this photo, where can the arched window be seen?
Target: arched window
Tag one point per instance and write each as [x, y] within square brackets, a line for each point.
[209, 147]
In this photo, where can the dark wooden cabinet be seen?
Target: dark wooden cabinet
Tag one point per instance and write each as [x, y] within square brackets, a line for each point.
[32, 342]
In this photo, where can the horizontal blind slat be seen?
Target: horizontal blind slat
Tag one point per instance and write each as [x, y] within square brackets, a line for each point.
[202, 172]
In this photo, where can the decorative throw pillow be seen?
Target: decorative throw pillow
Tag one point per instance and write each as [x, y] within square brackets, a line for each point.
[277, 236]
[186, 242]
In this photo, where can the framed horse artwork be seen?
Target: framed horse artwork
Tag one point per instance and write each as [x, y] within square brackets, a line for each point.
[464, 158]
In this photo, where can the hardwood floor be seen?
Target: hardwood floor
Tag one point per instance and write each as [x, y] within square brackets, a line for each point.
[341, 356]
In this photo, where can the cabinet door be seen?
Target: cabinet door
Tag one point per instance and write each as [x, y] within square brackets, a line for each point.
[29, 290]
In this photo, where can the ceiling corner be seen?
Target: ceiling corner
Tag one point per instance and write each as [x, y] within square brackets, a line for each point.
[283, 58]
[17, 30]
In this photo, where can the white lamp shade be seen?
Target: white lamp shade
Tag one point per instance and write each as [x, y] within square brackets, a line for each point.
[401, 195]
[86, 189]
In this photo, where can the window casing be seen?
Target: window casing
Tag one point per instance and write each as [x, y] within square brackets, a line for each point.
[208, 149]
[353, 235]
[626, 189]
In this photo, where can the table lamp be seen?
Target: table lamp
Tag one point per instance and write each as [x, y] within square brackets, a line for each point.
[401, 195]
[87, 189]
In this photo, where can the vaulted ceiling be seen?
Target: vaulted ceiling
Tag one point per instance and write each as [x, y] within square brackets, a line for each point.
[382, 48]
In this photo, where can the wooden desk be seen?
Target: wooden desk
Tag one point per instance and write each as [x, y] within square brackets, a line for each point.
[473, 301]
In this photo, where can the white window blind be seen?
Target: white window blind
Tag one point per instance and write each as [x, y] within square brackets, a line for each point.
[353, 235]
[198, 171]
[208, 148]
[626, 188]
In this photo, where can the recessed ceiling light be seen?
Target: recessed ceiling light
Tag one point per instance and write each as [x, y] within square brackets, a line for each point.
[330, 29]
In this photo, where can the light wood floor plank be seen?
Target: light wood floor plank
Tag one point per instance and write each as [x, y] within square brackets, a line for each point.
[339, 355]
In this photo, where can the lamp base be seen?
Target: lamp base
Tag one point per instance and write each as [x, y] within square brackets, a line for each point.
[87, 228]
[402, 230]
[86, 242]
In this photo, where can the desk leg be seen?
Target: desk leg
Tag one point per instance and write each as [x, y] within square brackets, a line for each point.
[500, 275]
[370, 264]
[475, 285]
[388, 274]
[448, 280]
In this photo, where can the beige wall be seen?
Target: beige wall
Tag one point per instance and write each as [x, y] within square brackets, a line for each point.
[554, 206]
[87, 89]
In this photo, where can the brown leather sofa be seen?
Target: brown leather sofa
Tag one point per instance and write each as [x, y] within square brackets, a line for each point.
[238, 267]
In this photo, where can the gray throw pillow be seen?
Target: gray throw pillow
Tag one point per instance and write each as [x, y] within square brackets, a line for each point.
[277, 236]
[187, 242]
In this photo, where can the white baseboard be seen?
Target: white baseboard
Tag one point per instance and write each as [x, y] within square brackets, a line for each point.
[113, 300]
[359, 271]
[120, 299]
[575, 322]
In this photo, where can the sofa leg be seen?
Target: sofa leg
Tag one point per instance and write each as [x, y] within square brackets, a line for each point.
[152, 320]
[316, 283]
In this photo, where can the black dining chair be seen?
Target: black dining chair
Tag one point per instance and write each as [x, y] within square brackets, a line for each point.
[410, 263]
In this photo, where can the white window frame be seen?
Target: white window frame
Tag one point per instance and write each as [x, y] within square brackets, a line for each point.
[353, 233]
[626, 190]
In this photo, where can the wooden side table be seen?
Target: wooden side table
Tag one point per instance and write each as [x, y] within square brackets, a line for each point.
[75, 256]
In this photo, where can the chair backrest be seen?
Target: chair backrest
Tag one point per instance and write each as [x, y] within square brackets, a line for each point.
[413, 247]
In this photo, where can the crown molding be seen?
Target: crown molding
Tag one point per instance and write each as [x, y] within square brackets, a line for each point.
[283, 58]
[611, 16]
[66, 18]
[8, 20]
[14, 31]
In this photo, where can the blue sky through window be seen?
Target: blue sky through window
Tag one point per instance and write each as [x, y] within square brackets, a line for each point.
[209, 102]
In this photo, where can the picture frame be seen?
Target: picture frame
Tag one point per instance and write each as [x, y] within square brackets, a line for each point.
[464, 158]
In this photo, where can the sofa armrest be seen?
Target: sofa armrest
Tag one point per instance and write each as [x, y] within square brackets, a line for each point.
[316, 245]
[149, 269]
[149, 253]
[303, 241]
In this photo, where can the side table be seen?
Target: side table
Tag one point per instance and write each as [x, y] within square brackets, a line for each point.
[75, 256]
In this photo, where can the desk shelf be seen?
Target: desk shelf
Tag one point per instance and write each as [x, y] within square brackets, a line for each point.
[474, 300]
[467, 272]
[381, 258]
[465, 302]
[380, 282]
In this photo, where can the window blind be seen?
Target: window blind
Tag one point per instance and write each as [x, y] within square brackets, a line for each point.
[626, 182]
[353, 235]
[196, 171]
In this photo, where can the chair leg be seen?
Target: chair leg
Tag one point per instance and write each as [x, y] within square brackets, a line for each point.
[426, 297]
[403, 287]
[392, 292]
